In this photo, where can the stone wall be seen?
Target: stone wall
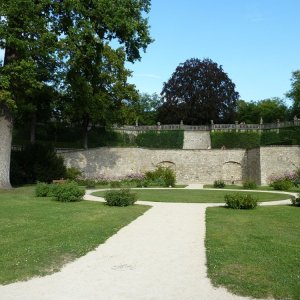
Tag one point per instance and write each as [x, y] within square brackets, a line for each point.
[253, 165]
[191, 166]
[196, 140]
[278, 160]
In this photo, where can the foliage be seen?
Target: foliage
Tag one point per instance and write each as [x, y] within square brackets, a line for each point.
[62, 135]
[30, 227]
[68, 192]
[36, 162]
[95, 74]
[282, 184]
[240, 201]
[115, 184]
[161, 176]
[168, 139]
[295, 200]
[294, 93]
[143, 183]
[251, 185]
[123, 197]
[269, 110]
[231, 140]
[68, 48]
[197, 92]
[42, 189]
[147, 108]
[73, 173]
[286, 136]
[219, 184]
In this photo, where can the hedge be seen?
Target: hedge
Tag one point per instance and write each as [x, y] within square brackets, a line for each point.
[248, 140]
[231, 140]
[165, 139]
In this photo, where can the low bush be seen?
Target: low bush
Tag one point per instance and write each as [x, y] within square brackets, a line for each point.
[90, 184]
[123, 197]
[240, 201]
[73, 173]
[67, 192]
[295, 200]
[143, 183]
[115, 184]
[219, 184]
[42, 189]
[250, 185]
[161, 176]
[282, 184]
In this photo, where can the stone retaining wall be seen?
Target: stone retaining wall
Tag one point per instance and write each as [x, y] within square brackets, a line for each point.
[191, 166]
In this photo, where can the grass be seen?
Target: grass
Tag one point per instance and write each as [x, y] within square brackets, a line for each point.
[195, 196]
[39, 235]
[255, 252]
[259, 188]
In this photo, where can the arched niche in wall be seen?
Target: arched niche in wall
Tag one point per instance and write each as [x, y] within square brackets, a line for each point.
[232, 172]
[167, 164]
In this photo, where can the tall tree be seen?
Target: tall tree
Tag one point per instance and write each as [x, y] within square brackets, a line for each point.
[95, 75]
[294, 93]
[197, 92]
[29, 46]
[75, 35]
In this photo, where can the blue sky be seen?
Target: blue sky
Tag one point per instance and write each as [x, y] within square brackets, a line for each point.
[257, 43]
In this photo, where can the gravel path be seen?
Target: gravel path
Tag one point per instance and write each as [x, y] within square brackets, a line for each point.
[161, 255]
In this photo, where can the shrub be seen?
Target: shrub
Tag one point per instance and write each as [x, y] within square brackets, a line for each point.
[123, 197]
[295, 200]
[250, 185]
[282, 184]
[162, 177]
[67, 192]
[73, 173]
[115, 184]
[169, 177]
[240, 201]
[219, 184]
[143, 183]
[42, 189]
[34, 163]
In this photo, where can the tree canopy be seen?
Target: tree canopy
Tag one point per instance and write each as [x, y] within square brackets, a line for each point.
[294, 93]
[269, 110]
[74, 48]
[197, 92]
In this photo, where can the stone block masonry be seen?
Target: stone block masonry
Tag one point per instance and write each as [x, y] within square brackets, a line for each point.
[191, 166]
[196, 140]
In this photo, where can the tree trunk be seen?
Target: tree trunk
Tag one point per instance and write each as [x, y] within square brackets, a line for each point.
[33, 128]
[6, 126]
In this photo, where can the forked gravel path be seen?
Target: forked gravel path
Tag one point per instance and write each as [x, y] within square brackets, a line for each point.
[159, 256]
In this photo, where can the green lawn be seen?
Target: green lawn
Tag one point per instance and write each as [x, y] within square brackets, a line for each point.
[260, 187]
[39, 235]
[255, 252]
[195, 196]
